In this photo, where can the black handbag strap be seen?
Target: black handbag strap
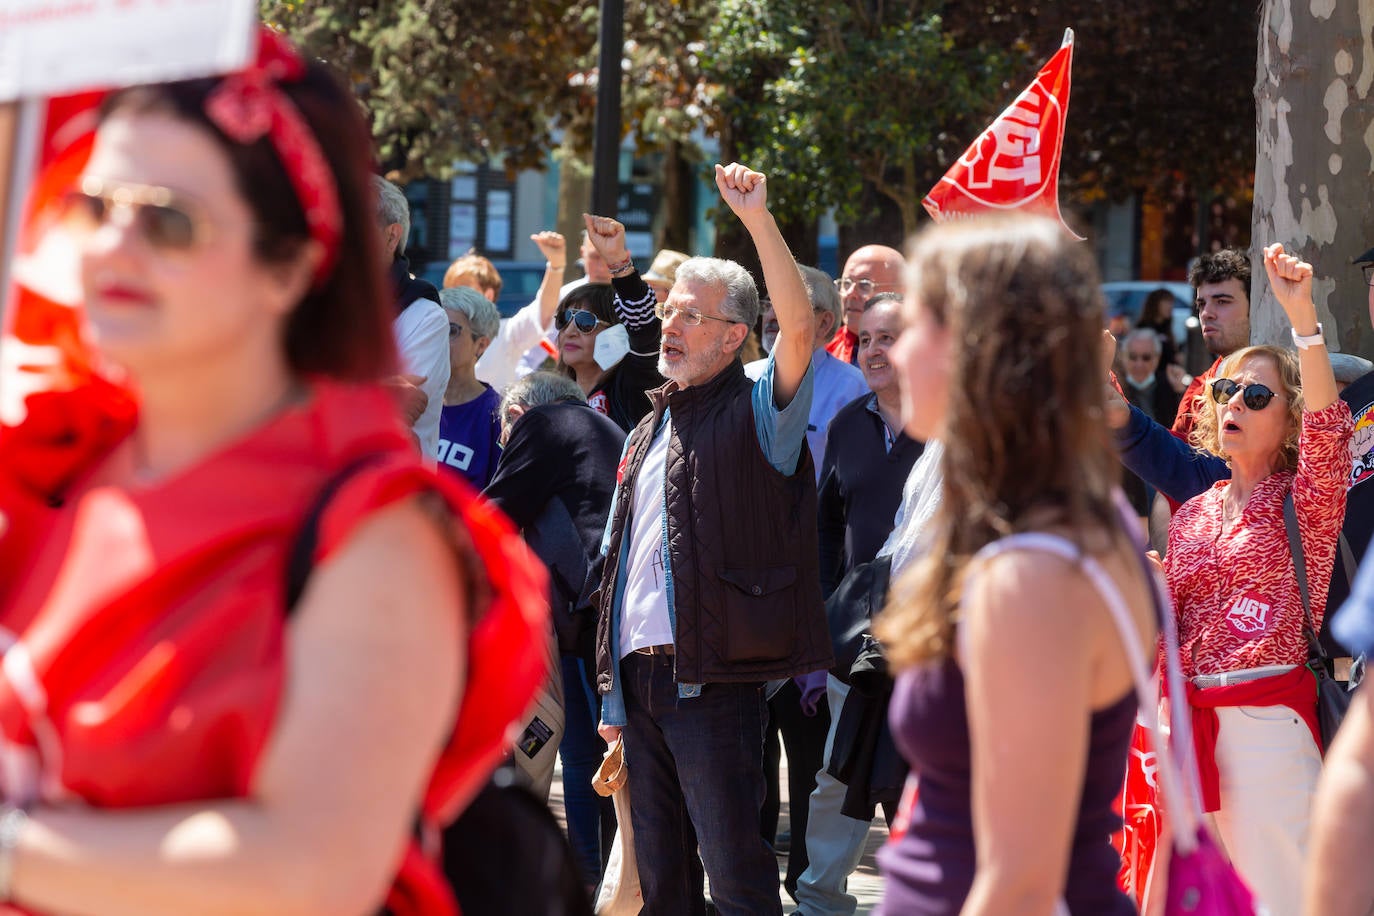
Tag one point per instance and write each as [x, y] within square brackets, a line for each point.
[1290, 524]
[301, 559]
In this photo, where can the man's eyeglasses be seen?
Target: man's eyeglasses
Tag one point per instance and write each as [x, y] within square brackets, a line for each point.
[165, 220]
[1255, 397]
[1140, 357]
[865, 287]
[584, 320]
[690, 316]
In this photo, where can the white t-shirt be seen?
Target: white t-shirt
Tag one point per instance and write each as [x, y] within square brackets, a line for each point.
[644, 617]
[421, 333]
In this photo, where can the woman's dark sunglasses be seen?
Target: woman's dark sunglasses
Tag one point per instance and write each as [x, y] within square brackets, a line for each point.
[586, 321]
[160, 216]
[1255, 397]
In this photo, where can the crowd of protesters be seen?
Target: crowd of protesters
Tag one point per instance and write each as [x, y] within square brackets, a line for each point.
[310, 541]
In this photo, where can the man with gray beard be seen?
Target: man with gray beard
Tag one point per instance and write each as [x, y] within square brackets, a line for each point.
[710, 587]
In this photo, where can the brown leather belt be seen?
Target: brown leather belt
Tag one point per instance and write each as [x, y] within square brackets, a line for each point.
[656, 650]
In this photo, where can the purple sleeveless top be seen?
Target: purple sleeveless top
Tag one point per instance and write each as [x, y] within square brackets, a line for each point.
[930, 870]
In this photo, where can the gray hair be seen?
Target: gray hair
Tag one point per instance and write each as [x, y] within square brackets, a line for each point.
[483, 318]
[823, 294]
[741, 302]
[538, 389]
[392, 207]
[1145, 334]
[1347, 367]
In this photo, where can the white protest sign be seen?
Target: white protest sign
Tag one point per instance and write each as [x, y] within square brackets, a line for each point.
[56, 47]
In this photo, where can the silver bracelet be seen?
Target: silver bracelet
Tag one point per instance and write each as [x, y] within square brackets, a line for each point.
[12, 821]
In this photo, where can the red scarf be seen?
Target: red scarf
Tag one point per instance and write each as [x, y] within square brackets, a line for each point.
[1296, 689]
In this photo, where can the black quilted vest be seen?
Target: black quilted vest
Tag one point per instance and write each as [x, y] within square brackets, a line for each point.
[741, 541]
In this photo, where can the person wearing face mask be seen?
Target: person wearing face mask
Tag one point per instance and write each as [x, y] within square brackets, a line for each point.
[1142, 351]
[629, 360]
[581, 317]
[1146, 388]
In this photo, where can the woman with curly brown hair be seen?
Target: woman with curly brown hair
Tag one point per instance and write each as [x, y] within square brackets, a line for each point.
[1014, 701]
[1278, 423]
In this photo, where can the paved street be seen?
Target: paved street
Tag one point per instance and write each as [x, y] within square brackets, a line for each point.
[865, 884]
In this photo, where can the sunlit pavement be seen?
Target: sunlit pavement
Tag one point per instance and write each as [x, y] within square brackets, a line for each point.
[865, 883]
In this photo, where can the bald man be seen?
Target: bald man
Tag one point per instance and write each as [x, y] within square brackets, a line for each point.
[870, 270]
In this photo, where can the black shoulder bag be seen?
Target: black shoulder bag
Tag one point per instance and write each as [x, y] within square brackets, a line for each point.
[505, 854]
[849, 610]
[1333, 697]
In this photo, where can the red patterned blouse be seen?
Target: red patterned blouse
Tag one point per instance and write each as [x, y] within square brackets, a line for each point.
[1236, 592]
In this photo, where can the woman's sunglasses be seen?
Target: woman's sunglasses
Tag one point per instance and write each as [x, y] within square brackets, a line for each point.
[166, 221]
[1255, 397]
[585, 321]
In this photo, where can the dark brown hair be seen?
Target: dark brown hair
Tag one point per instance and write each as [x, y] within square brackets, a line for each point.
[597, 298]
[342, 328]
[1150, 316]
[1024, 437]
[1220, 266]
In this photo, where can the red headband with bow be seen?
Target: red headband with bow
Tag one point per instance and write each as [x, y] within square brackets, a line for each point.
[250, 104]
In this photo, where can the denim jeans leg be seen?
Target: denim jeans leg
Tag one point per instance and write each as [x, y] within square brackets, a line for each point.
[670, 873]
[581, 751]
[804, 737]
[716, 740]
[834, 842]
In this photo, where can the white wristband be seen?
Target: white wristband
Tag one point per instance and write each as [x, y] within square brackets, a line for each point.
[1311, 340]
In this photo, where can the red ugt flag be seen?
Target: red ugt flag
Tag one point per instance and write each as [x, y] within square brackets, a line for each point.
[1014, 164]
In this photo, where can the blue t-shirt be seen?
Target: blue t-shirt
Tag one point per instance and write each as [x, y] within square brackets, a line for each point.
[470, 436]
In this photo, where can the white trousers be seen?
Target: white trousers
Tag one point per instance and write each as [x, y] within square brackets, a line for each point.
[1268, 764]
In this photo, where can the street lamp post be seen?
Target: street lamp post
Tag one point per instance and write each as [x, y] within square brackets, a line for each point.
[606, 156]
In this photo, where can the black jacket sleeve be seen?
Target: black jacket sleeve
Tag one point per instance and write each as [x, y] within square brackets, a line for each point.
[634, 303]
[529, 473]
[830, 511]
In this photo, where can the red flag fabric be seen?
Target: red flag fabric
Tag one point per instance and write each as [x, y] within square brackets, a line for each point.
[1014, 164]
[1142, 818]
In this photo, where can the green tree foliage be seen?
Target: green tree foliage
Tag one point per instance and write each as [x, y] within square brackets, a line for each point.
[1162, 92]
[446, 80]
[831, 94]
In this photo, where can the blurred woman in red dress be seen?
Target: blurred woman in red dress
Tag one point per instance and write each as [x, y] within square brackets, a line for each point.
[178, 734]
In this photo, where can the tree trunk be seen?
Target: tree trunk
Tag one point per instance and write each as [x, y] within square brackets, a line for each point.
[1315, 160]
[883, 224]
[574, 197]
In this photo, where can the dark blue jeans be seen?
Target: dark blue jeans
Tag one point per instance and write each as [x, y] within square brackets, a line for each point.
[696, 778]
[591, 818]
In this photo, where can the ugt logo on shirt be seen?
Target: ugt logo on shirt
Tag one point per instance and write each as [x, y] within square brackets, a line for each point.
[1250, 616]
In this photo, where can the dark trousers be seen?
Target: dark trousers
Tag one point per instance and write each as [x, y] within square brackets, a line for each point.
[696, 777]
[804, 738]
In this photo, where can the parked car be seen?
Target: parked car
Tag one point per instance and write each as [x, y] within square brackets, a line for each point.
[1128, 298]
[519, 282]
